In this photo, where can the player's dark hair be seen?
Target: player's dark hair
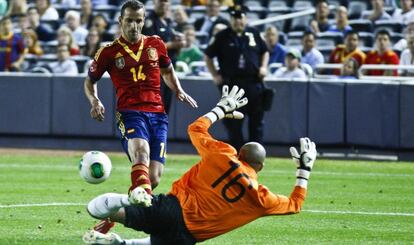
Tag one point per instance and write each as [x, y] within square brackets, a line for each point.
[383, 32]
[351, 32]
[308, 33]
[132, 4]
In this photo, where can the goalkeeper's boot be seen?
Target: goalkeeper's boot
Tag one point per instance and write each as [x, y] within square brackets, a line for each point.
[104, 226]
[95, 237]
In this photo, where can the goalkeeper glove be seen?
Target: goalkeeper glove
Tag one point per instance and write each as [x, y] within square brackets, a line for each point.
[229, 102]
[304, 161]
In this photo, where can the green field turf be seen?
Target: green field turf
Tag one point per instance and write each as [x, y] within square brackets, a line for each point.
[349, 202]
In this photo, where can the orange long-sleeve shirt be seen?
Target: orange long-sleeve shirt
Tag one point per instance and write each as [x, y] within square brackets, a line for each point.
[221, 193]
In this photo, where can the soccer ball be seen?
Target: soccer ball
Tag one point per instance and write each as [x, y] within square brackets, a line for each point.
[95, 167]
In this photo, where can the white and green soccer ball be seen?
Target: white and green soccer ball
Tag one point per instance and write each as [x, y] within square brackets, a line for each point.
[95, 167]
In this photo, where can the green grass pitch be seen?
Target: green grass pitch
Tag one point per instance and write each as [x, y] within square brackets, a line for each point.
[349, 202]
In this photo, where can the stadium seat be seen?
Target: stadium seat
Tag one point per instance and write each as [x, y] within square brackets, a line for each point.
[355, 9]
[278, 3]
[395, 37]
[81, 60]
[282, 37]
[253, 3]
[202, 37]
[300, 23]
[281, 24]
[389, 25]
[366, 39]
[361, 25]
[107, 10]
[302, 5]
[329, 39]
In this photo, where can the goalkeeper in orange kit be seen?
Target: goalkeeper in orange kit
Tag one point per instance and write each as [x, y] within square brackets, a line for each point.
[217, 195]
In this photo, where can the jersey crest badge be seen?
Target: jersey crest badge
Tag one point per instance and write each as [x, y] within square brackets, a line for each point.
[152, 54]
[119, 61]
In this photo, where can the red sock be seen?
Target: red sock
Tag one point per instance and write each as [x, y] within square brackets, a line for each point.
[140, 177]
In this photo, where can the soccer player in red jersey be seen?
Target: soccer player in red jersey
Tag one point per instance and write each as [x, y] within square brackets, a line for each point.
[218, 194]
[382, 55]
[135, 63]
[343, 52]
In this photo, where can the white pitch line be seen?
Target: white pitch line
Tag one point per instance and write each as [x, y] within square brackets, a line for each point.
[42, 205]
[308, 211]
[358, 213]
[171, 169]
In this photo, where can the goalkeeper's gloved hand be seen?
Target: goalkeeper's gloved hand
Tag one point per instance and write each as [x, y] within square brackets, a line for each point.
[304, 161]
[229, 102]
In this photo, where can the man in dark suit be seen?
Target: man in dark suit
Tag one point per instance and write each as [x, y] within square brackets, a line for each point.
[212, 17]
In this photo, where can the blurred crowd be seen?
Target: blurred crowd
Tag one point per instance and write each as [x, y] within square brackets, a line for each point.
[61, 36]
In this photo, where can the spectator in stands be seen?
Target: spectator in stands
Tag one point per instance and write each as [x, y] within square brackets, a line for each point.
[382, 54]
[349, 49]
[12, 48]
[17, 7]
[180, 18]
[190, 52]
[86, 13]
[402, 43]
[377, 13]
[101, 24]
[407, 57]
[93, 43]
[310, 55]
[99, 2]
[43, 32]
[31, 42]
[405, 13]
[46, 10]
[243, 59]
[277, 51]
[64, 36]
[64, 65]
[292, 67]
[72, 19]
[211, 19]
[158, 23]
[321, 21]
[350, 69]
[342, 23]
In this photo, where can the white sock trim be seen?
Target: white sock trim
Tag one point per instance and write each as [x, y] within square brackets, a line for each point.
[104, 205]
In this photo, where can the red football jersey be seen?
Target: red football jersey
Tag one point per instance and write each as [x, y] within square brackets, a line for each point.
[388, 58]
[134, 70]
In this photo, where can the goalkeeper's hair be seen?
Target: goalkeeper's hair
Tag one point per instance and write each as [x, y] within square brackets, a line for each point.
[253, 153]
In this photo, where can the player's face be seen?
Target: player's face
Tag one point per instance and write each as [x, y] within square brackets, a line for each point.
[271, 37]
[308, 42]
[6, 26]
[351, 42]
[383, 42]
[213, 8]
[131, 24]
[406, 5]
[238, 24]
